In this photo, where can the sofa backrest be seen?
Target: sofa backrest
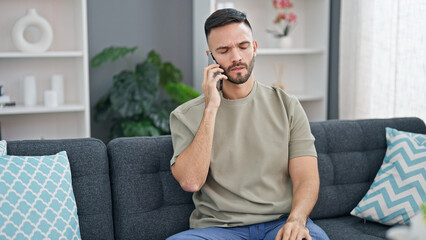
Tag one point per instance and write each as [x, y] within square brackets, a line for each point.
[350, 153]
[90, 179]
[148, 202]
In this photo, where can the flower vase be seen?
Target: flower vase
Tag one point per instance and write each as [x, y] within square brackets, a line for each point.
[285, 42]
[35, 20]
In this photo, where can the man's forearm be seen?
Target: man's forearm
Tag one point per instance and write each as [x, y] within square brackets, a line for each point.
[192, 165]
[305, 196]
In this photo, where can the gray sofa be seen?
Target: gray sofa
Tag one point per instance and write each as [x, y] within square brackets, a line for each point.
[126, 190]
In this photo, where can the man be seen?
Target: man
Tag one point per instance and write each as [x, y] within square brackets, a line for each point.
[246, 151]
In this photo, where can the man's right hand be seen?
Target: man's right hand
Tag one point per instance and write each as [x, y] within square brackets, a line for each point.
[209, 84]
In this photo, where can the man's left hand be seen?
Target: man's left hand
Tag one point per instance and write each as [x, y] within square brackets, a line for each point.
[293, 230]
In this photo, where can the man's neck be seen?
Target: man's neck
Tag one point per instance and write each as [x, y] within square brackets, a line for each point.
[236, 91]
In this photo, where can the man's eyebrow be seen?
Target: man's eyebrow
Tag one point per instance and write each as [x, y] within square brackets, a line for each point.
[221, 48]
[244, 42]
[227, 47]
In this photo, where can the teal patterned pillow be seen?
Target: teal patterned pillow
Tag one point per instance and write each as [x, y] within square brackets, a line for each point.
[400, 185]
[36, 198]
[3, 148]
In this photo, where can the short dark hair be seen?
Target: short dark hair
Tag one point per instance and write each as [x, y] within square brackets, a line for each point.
[224, 17]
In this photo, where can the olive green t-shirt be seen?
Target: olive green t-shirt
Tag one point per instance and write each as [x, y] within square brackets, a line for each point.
[254, 137]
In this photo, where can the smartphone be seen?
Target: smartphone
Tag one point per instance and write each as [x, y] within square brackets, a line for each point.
[211, 61]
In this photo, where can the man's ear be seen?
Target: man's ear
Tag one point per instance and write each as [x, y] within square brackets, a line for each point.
[254, 47]
[207, 52]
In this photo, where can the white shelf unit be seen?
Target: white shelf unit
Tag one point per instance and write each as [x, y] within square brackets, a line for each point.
[290, 51]
[68, 55]
[305, 65]
[40, 109]
[63, 54]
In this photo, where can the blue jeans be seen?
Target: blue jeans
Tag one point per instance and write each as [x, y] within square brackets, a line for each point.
[266, 231]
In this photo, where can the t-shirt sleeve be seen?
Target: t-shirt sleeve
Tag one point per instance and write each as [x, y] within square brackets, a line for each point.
[301, 138]
[181, 135]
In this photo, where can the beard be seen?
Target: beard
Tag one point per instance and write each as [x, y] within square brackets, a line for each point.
[240, 78]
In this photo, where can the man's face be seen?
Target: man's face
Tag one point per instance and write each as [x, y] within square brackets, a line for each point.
[234, 50]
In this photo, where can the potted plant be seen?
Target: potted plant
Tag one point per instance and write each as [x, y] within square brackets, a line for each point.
[285, 22]
[141, 98]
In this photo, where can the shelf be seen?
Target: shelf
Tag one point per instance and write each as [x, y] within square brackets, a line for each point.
[290, 51]
[40, 109]
[61, 54]
[308, 97]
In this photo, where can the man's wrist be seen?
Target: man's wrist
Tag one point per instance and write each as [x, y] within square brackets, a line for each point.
[210, 111]
[298, 219]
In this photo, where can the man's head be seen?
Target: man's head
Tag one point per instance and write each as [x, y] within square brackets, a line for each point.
[224, 17]
[230, 39]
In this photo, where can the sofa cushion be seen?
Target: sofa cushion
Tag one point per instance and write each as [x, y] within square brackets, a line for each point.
[352, 228]
[3, 147]
[148, 202]
[90, 179]
[400, 185]
[37, 198]
[350, 153]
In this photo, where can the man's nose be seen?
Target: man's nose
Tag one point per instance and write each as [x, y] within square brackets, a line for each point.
[236, 55]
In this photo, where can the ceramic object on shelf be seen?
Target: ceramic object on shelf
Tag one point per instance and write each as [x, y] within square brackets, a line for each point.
[32, 19]
[4, 99]
[225, 5]
[285, 42]
[30, 91]
[50, 98]
[57, 85]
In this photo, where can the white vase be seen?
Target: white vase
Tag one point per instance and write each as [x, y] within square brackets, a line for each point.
[57, 85]
[50, 98]
[225, 5]
[32, 19]
[30, 91]
[285, 42]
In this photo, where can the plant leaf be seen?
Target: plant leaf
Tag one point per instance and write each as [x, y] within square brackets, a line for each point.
[154, 58]
[116, 131]
[111, 54]
[147, 78]
[169, 73]
[134, 93]
[181, 93]
[102, 108]
[123, 95]
[160, 118]
[144, 127]
[286, 30]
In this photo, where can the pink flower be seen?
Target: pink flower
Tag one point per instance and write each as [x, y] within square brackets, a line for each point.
[292, 17]
[277, 4]
[280, 16]
[282, 4]
[285, 20]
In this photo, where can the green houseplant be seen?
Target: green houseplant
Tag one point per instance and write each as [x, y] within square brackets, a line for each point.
[141, 98]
